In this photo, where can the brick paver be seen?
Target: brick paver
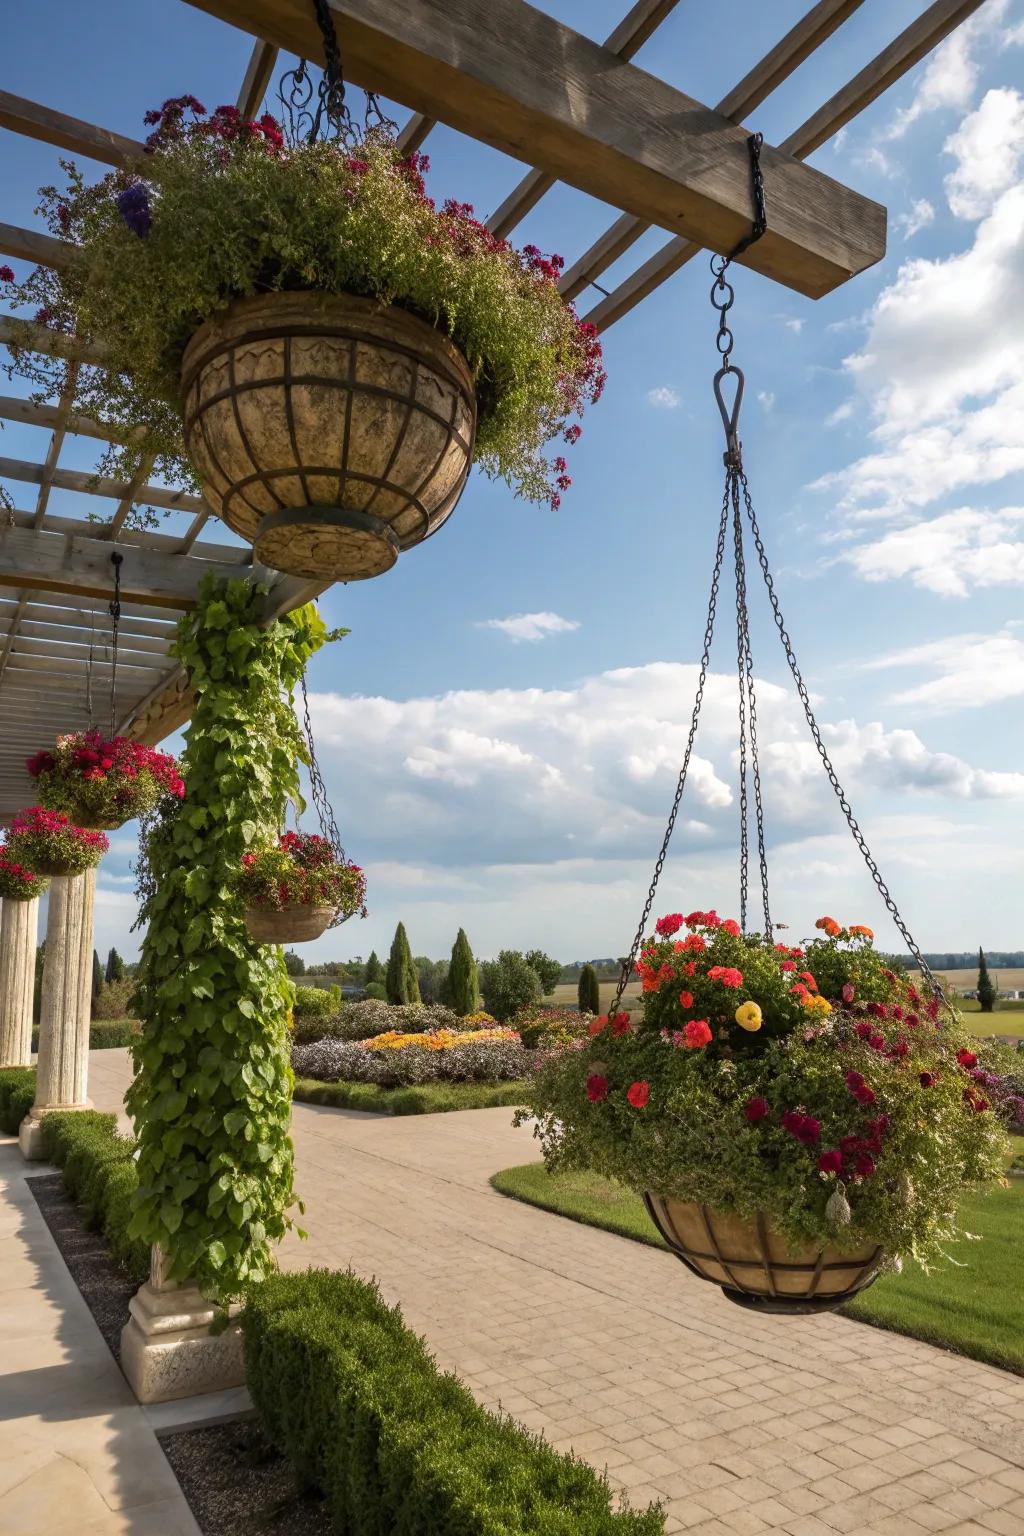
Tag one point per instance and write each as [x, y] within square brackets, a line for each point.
[739, 1423]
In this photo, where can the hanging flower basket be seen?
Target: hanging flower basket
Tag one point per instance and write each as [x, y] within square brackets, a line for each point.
[49, 843]
[296, 890]
[102, 783]
[296, 330]
[19, 882]
[327, 431]
[797, 1118]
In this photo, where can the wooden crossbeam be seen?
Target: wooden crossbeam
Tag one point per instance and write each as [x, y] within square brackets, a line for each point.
[35, 558]
[257, 78]
[624, 41]
[31, 245]
[756, 86]
[912, 45]
[519, 80]
[97, 485]
[32, 413]
[38, 122]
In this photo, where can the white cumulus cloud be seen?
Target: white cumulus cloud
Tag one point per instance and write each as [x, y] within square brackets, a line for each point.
[971, 670]
[531, 626]
[949, 554]
[988, 148]
[917, 217]
[664, 398]
[950, 77]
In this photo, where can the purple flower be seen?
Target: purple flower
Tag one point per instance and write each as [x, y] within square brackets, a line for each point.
[133, 206]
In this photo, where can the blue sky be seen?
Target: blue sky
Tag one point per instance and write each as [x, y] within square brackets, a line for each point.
[517, 785]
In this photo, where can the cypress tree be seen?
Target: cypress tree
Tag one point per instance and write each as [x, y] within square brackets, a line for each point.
[462, 991]
[97, 978]
[374, 969]
[588, 993]
[401, 982]
[115, 967]
[986, 991]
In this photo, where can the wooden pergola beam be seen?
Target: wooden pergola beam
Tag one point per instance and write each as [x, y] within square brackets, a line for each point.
[517, 79]
[35, 121]
[97, 485]
[38, 560]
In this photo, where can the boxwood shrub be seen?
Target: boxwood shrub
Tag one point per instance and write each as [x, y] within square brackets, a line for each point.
[98, 1168]
[17, 1095]
[355, 1401]
[105, 1034]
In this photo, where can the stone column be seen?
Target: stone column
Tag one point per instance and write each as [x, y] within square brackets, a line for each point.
[19, 923]
[167, 1349]
[63, 1067]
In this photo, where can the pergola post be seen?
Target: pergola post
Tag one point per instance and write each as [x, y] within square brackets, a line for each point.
[167, 1349]
[63, 1067]
[19, 922]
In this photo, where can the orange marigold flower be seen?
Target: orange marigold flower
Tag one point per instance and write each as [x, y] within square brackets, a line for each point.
[862, 931]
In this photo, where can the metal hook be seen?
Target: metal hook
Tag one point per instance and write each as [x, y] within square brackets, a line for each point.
[730, 419]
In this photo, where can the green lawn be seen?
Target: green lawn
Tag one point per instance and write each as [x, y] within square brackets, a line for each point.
[977, 1310]
[422, 1099]
[1008, 1018]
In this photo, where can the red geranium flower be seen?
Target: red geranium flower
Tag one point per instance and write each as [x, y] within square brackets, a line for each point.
[756, 1109]
[731, 926]
[597, 1088]
[696, 1033]
[831, 1162]
[849, 992]
[686, 999]
[638, 1094]
[967, 1058]
[669, 924]
[620, 1024]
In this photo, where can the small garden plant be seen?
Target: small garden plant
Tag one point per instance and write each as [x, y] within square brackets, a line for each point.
[102, 782]
[223, 208]
[812, 1084]
[43, 840]
[301, 870]
[18, 882]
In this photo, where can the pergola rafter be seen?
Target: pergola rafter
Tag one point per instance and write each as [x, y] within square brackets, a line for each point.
[575, 112]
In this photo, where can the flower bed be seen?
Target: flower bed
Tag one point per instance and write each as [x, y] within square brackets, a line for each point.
[809, 1085]
[103, 783]
[223, 208]
[48, 842]
[17, 881]
[393, 1059]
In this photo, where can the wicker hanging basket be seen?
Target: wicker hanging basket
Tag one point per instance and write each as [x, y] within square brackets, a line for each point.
[328, 432]
[291, 924]
[754, 1265]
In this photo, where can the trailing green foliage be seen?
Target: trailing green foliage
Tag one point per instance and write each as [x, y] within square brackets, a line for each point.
[401, 981]
[17, 1095]
[418, 1099]
[355, 1401]
[588, 993]
[99, 1173]
[212, 1093]
[462, 988]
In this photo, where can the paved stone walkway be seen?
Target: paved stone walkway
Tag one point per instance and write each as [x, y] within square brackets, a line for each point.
[739, 1423]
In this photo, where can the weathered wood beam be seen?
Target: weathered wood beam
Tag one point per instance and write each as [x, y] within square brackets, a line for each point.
[756, 86]
[31, 337]
[893, 62]
[68, 635]
[96, 485]
[31, 245]
[519, 80]
[34, 558]
[257, 78]
[33, 414]
[145, 619]
[35, 121]
[624, 41]
[168, 543]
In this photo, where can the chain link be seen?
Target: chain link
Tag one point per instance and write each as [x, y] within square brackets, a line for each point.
[318, 793]
[88, 667]
[705, 662]
[732, 495]
[330, 115]
[746, 667]
[801, 688]
[116, 560]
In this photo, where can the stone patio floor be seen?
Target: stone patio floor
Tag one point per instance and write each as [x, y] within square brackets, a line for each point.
[738, 1423]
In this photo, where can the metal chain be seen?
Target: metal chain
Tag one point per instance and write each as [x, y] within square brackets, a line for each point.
[331, 90]
[116, 560]
[801, 688]
[747, 682]
[88, 667]
[732, 495]
[318, 793]
[705, 662]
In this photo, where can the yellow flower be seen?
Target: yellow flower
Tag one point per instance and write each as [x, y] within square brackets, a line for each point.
[748, 1016]
[817, 1004]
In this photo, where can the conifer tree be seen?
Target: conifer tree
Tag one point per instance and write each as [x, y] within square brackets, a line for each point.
[588, 993]
[374, 969]
[401, 981]
[97, 978]
[462, 990]
[115, 967]
[986, 991]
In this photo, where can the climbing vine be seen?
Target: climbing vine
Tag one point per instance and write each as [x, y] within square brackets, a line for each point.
[211, 1098]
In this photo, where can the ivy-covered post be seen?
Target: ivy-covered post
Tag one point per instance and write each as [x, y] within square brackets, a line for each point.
[19, 923]
[211, 1099]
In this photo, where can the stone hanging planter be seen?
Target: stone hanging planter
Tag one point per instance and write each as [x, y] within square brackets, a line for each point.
[291, 924]
[755, 1266]
[328, 432]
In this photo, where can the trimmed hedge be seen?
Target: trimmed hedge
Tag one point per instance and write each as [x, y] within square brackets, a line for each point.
[98, 1167]
[105, 1034]
[420, 1099]
[353, 1399]
[17, 1095]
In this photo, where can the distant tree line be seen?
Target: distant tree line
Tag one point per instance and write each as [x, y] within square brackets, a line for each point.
[964, 959]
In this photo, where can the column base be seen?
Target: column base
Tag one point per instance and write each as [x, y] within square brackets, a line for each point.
[30, 1131]
[167, 1350]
